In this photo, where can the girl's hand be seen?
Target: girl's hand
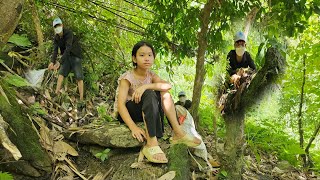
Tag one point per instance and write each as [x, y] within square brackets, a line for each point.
[138, 133]
[136, 96]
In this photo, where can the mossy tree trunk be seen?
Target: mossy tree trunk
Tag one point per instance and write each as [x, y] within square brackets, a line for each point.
[179, 161]
[234, 144]
[10, 13]
[237, 103]
[23, 135]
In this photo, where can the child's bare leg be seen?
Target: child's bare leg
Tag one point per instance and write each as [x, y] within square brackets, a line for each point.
[170, 111]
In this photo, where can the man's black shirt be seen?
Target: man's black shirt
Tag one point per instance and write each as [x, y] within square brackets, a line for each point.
[68, 44]
[234, 64]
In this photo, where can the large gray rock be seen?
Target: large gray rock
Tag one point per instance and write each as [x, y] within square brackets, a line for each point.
[113, 134]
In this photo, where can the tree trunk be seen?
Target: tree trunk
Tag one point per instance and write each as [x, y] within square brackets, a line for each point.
[234, 145]
[235, 106]
[10, 13]
[300, 123]
[179, 161]
[250, 17]
[23, 134]
[36, 21]
[202, 46]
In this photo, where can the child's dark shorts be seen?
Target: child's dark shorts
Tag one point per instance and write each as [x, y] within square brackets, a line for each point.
[72, 64]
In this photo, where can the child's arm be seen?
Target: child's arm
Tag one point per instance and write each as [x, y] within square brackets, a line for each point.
[157, 84]
[137, 132]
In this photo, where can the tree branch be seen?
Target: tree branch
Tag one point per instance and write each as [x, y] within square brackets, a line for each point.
[314, 135]
[106, 8]
[134, 15]
[130, 2]
[120, 26]
[250, 17]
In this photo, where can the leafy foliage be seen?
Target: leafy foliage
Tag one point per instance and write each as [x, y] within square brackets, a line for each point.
[103, 155]
[20, 40]
[37, 109]
[16, 80]
[307, 46]
[5, 176]
[103, 113]
[267, 138]
[108, 30]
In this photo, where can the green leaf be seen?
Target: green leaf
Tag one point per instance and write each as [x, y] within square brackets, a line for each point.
[104, 157]
[20, 40]
[106, 151]
[98, 155]
[5, 176]
[224, 173]
[16, 80]
[37, 109]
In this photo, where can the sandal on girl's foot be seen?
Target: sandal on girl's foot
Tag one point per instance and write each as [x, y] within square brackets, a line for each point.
[186, 139]
[149, 152]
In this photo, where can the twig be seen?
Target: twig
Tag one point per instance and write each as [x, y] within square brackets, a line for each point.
[18, 56]
[43, 116]
[74, 169]
[10, 70]
[107, 173]
[56, 104]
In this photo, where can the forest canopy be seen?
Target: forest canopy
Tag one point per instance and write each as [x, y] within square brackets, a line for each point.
[192, 40]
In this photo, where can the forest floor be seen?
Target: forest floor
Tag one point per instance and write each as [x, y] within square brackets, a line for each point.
[65, 111]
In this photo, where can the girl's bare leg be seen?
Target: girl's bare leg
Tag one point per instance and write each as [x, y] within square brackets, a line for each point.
[170, 111]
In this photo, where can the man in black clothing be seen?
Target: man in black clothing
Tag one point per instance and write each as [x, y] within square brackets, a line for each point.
[183, 101]
[71, 56]
[239, 58]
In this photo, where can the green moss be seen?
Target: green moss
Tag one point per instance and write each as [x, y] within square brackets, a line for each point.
[179, 161]
[21, 132]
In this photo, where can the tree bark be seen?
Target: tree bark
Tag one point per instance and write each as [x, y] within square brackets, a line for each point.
[250, 17]
[200, 70]
[234, 144]
[179, 161]
[235, 106]
[22, 133]
[10, 13]
[36, 21]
